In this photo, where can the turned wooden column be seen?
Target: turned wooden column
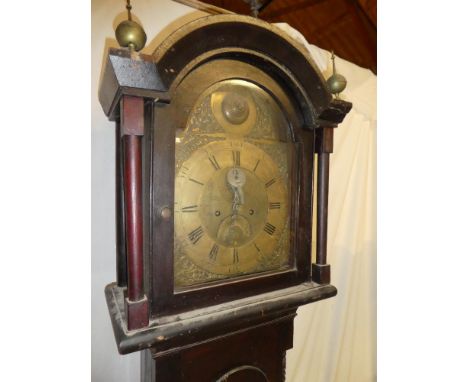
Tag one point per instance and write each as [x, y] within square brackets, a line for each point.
[323, 148]
[132, 129]
[120, 241]
[129, 80]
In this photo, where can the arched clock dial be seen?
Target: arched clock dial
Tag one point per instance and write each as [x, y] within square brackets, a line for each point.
[232, 187]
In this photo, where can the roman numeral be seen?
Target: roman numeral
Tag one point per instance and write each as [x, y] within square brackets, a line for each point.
[236, 158]
[193, 208]
[196, 235]
[275, 206]
[196, 181]
[235, 256]
[214, 162]
[270, 182]
[256, 165]
[183, 170]
[269, 229]
[214, 252]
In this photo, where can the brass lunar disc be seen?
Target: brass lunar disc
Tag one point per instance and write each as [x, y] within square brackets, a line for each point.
[235, 108]
[235, 112]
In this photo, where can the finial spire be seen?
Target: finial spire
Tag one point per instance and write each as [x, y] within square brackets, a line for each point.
[129, 8]
[129, 33]
[336, 83]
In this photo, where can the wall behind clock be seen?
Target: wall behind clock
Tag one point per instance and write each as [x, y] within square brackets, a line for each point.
[155, 15]
[334, 340]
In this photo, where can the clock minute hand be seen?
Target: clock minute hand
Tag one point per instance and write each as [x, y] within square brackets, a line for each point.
[236, 179]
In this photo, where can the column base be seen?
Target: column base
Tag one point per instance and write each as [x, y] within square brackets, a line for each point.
[137, 313]
[321, 273]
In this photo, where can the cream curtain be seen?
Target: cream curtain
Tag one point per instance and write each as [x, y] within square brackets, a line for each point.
[335, 340]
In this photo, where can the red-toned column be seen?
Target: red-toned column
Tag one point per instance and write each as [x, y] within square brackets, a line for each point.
[323, 148]
[120, 234]
[132, 129]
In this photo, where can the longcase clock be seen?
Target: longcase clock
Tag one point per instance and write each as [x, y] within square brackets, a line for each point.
[217, 133]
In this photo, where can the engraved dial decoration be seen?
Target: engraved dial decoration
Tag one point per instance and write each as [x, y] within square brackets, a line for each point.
[232, 186]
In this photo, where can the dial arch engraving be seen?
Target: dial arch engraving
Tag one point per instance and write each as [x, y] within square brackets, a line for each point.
[233, 193]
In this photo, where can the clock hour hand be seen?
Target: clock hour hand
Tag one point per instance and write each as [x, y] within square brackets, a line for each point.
[238, 199]
[236, 179]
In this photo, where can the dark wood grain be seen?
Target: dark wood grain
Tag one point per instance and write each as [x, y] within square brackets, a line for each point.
[161, 259]
[255, 352]
[258, 42]
[132, 116]
[324, 140]
[133, 213]
[286, 8]
[170, 333]
[322, 206]
[322, 219]
[136, 303]
[136, 313]
[127, 74]
[348, 27]
[321, 271]
[120, 241]
[259, 348]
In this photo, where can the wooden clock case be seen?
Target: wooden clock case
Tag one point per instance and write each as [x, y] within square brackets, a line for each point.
[234, 329]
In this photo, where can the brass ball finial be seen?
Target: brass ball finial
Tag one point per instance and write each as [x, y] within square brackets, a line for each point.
[130, 34]
[336, 83]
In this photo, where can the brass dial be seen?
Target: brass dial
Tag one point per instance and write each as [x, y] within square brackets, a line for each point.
[232, 188]
[233, 207]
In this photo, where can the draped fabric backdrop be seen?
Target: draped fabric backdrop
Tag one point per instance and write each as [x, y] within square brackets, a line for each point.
[335, 339]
